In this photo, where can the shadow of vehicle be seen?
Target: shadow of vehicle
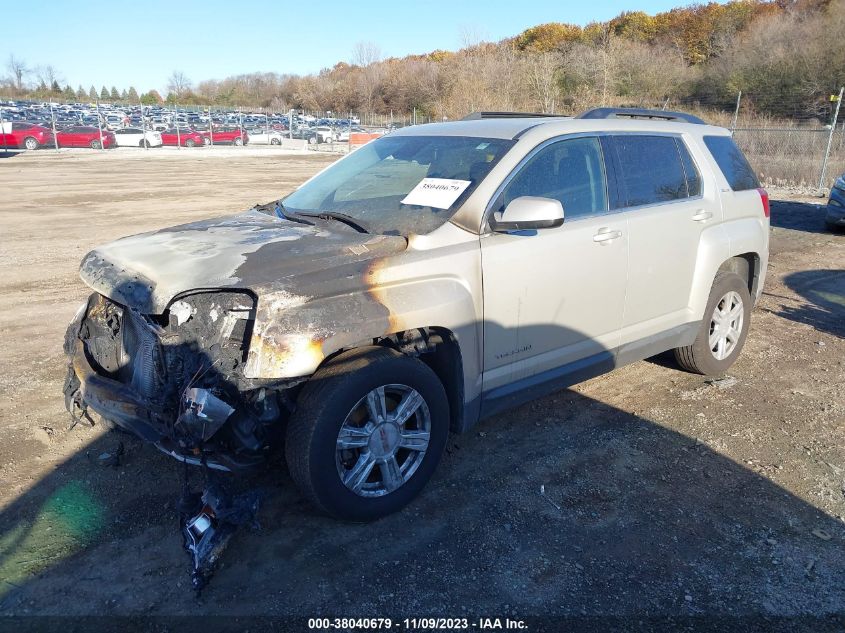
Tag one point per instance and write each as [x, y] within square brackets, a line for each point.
[824, 292]
[565, 506]
[799, 216]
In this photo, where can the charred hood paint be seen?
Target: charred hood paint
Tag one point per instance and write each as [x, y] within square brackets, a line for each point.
[251, 251]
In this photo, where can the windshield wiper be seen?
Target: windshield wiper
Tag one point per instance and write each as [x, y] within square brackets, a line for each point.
[340, 217]
[279, 211]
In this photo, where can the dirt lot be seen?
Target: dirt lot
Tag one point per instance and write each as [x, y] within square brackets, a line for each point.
[665, 495]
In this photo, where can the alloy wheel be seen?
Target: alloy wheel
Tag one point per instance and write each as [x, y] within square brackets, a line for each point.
[383, 440]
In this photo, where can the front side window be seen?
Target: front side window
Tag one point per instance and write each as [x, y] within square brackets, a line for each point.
[651, 169]
[571, 171]
[371, 184]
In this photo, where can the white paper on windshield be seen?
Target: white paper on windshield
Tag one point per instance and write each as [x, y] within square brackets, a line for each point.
[438, 193]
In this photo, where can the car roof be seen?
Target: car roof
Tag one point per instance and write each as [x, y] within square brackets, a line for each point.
[514, 127]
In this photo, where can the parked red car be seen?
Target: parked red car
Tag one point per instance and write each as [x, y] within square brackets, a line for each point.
[187, 138]
[7, 141]
[84, 136]
[28, 135]
[226, 136]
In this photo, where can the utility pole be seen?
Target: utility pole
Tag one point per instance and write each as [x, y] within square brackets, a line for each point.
[830, 136]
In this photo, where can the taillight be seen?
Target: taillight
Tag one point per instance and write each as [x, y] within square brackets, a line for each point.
[764, 198]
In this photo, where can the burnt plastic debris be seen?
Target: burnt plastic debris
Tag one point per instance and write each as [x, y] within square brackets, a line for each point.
[216, 517]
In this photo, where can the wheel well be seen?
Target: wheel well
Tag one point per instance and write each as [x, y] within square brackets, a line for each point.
[746, 266]
[436, 347]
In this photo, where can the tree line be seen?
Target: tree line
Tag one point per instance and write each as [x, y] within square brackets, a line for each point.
[784, 55]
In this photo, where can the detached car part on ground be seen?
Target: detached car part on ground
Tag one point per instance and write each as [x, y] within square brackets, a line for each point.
[348, 323]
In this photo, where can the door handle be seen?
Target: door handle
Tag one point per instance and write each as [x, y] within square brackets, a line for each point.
[606, 235]
[702, 216]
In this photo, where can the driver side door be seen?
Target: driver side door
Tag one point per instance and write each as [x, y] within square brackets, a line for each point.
[554, 297]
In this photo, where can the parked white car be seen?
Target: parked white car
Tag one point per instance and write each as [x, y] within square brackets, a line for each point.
[134, 137]
[325, 134]
[261, 137]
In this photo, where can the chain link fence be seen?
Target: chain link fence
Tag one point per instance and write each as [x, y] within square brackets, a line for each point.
[794, 157]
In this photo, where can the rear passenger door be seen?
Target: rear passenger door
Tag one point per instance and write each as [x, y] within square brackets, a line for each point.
[660, 188]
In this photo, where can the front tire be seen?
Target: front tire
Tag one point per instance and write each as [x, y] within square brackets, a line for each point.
[238, 141]
[95, 145]
[30, 143]
[367, 434]
[723, 329]
[275, 141]
[190, 142]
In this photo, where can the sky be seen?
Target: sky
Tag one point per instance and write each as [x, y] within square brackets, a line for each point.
[112, 43]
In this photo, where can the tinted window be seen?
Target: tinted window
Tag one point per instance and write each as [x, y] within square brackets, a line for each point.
[651, 169]
[735, 168]
[571, 171]
[690, 170]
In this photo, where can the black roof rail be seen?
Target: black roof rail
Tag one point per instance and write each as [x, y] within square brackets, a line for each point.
[475, 116]
[639, 113]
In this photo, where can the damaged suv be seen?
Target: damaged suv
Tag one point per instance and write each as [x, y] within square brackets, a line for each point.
[433, 277]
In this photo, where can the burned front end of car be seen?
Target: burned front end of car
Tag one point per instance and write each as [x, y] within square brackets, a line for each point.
[176, 379]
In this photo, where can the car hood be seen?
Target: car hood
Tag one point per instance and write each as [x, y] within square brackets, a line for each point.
[252, 250]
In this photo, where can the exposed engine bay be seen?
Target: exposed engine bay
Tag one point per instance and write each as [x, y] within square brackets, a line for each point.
[177, 379]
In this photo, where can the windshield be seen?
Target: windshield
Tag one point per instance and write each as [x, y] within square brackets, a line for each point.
[398, 185]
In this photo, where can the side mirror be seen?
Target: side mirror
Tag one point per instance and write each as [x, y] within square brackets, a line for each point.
[528, 213]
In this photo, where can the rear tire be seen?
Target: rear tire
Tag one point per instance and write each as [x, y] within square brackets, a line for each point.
[95, 145]
[275, 141]
[390, 472]
[190, 142]
[238, 141]
[723, 330]
[30, 143]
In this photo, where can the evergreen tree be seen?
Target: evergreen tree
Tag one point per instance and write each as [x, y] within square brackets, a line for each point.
[55, 88]
[104, 94]
[132, 97]
[92, 94]
[80, 93]
[114, 94]
[69, 94]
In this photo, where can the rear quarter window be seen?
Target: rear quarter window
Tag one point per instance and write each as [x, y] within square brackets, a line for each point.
[732, 163]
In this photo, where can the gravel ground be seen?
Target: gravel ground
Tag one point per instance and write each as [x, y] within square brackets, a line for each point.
[663, 494]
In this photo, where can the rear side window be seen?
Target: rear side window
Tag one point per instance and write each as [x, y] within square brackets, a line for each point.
[651, 169]
[731, 161]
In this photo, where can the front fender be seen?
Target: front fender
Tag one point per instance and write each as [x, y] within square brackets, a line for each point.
[293, 335]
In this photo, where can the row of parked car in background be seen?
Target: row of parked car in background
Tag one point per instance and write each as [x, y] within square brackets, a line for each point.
[28, 125]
